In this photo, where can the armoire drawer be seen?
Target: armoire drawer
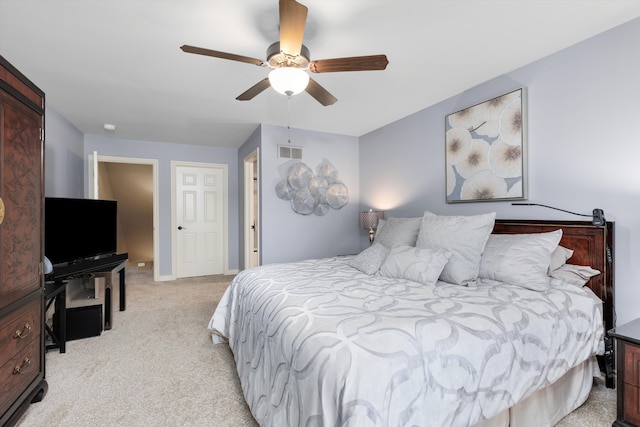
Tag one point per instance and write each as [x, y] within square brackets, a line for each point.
[18, 372]
[19, 328]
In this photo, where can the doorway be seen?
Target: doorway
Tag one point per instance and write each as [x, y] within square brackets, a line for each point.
[251, 210]
[199, 218]
[133, 182]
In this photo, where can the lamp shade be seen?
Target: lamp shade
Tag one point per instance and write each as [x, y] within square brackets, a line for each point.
[288, 80]
[370, 218]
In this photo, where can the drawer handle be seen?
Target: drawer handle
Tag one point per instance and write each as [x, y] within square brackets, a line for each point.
[25, 332]
[26, 363]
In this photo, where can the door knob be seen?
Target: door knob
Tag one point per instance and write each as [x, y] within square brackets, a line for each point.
[181, 227]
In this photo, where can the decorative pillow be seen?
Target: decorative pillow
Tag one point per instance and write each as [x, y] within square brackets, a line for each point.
[577, 275]
[519, 259]
[410, 263]
[559, 257]
[370, 260]
[463, 236]
[398, 231]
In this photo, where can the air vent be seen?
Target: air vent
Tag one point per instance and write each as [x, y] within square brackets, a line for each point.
[289, 152]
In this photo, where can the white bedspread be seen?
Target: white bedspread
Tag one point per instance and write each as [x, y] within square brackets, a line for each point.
[318, 343]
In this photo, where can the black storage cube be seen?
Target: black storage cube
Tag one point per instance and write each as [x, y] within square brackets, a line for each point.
[84, 322]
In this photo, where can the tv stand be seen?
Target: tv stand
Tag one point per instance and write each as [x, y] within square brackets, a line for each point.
[97, 265]
[101, 267]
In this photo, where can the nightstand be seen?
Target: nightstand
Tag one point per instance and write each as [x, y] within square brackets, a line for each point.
[628, 373]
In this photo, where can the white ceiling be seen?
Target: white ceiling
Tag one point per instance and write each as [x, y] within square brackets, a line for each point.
[119, 61]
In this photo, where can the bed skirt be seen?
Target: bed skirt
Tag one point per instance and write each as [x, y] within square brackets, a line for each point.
[548, 406]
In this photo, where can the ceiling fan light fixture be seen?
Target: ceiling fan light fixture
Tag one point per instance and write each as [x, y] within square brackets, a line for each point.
[288, 80]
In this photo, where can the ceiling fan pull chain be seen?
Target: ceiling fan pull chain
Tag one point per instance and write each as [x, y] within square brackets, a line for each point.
[289, 116]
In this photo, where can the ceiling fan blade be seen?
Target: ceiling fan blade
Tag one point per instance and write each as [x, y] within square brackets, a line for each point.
[293, 18]
[254, 90]
[218, 54]
[354, 63]
[320, 94]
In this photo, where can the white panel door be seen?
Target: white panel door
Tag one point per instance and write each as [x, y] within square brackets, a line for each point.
[200, 221]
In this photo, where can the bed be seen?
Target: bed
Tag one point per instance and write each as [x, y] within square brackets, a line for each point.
[323, 343]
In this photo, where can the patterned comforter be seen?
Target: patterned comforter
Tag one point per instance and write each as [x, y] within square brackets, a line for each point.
[318, 343]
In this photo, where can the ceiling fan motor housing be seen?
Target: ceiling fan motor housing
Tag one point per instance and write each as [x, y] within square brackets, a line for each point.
[276, 58]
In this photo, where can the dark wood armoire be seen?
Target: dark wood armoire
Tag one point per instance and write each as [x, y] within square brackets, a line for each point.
[21, 244]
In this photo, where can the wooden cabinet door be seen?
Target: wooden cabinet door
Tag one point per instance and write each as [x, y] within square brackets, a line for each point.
[21, 192]
[21, 244]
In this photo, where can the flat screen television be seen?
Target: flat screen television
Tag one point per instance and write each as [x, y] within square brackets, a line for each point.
[79, 229]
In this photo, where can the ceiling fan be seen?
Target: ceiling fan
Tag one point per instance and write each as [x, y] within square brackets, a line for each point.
[289, 59]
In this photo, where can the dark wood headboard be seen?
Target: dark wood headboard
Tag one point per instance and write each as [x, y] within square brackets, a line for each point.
[591, 245]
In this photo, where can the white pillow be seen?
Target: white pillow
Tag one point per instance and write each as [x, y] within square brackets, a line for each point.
[416, 264]
[559, 257]
[519, 259]
[369, 260]
[398, 231]
[380, 225]
[577, 275]
[463, 236]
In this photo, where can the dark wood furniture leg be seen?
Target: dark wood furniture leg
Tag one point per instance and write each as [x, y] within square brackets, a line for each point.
[122, 290]
[61, 313]
[56, 293]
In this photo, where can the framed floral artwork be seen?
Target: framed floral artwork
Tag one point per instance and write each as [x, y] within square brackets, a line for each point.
[486, 150]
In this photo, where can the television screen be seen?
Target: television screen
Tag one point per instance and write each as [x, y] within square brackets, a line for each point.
[77, 229]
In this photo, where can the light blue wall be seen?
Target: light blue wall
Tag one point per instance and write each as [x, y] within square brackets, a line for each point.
[63, 157]
[166, 152]
[288, 236]
[583, 116]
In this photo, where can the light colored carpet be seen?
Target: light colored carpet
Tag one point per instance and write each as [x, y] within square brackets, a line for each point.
[158, 367]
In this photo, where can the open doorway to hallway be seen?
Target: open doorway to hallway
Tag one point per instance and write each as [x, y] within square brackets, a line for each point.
[132, 182]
